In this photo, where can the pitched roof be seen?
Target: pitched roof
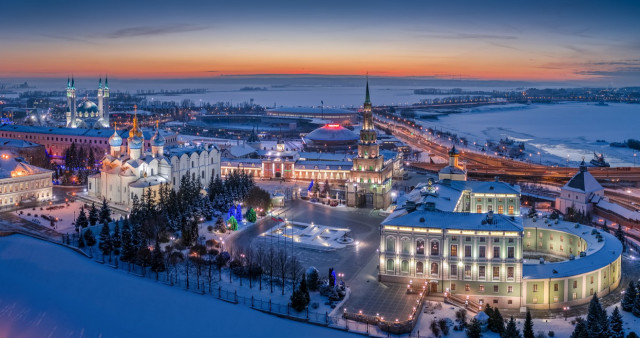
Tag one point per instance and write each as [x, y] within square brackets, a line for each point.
[583, 181]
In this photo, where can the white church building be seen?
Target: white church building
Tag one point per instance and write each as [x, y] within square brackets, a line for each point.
[128, 173]
[580, 193]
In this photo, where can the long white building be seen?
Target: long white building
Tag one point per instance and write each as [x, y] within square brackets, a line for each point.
[20, 181]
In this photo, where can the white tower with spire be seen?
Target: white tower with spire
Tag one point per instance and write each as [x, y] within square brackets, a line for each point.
[100, 98]
[71, 103]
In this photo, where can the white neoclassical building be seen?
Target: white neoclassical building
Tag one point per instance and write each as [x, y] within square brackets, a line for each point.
[128, 173]
[20, 181]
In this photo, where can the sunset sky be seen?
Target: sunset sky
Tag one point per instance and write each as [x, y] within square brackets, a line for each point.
[508, 40]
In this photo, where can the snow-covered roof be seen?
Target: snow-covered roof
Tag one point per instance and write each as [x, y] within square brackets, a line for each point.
[618, 209]
[310, 156]
[598, 254]
[12, 166]
[241, 150]
[148, 181]
[583, 181]
[453, 220]
[311, 111]
[332, 133]
[15, 143]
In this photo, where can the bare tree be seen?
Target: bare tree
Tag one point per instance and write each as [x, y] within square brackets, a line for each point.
[295, 269]
[271, 264]
[249, 258]
[260, 261]
[282, 262]
[175, 258]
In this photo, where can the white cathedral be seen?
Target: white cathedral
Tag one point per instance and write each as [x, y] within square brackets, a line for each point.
[126, 174]
[87, 114]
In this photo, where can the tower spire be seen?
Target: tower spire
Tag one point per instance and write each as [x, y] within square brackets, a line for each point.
[367, 99]
[106, 81]
[100, 82]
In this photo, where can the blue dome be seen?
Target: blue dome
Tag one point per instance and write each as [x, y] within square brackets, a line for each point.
[136, 142]
[87, 107]
[115, 140]
[157, 140]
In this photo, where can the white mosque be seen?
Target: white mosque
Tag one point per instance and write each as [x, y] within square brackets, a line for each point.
[129, 173]
[87, 114]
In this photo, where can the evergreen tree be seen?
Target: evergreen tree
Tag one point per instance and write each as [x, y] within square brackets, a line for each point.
[615, 323]
[157, 261]
[632, 335]
[527, 331]
[312, 278]
[629, 297]
[251, 215]
[303, 289]
[82, 220]
[80, 242]
[116, 239]
[488, 310]
[636, 305]
[498, 321]
[128, 250]
[93, 215]
[594, 321]
[621, 236]
[91, 161]
[105, 241]
[474, 330]
[580, 331]
[105, 211]
[233, 223]
[511, 330]
[89, 239]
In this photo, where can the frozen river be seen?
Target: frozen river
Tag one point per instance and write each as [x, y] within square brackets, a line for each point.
[559, 131]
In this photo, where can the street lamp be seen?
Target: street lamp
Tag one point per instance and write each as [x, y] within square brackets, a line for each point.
[565, 308]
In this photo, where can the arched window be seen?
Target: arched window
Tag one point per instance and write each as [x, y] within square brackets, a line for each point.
[405, 266]
[390, 265]
[420, 247]
[391, 244]
[419, 268]
[406, 245]
[434, 268]
[435, 248]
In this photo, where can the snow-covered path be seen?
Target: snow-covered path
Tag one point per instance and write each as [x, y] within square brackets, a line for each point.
[48, 291]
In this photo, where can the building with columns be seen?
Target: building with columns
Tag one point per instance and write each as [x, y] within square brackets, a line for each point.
[129, 171]
[468, 241]
[21, 181]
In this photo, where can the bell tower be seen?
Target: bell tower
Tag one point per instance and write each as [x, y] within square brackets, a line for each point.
[370, 179]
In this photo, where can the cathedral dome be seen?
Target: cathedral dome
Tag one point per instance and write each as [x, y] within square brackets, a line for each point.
[136, 142]
[115, 140]
[157, 140]
[87, 107]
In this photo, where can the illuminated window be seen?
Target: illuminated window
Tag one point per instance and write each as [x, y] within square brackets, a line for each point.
[501, 209]
[511, 211]
[496, 272]
[479, 209]
[419, 268]
[420, 247]
[454, 250]
[435, 248]
[481, 288]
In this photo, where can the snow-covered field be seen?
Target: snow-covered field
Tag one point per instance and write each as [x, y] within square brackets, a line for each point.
[556, 130]
[50, 291]
[65, 215]
[560, 327]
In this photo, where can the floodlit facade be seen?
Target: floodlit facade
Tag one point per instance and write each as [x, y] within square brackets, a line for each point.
[467, 241]
[127, 173]
[20, 181]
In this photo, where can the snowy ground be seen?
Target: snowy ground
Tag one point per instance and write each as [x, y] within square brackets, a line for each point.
[65, 215]
[309, 235]
[559, 326]
[556, 130]
[50, 291]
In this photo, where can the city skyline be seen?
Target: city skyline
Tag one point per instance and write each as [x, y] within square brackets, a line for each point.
[543, 41]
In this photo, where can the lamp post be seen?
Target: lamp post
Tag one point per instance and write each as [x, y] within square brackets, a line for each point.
[566, 309]
[634, 159]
